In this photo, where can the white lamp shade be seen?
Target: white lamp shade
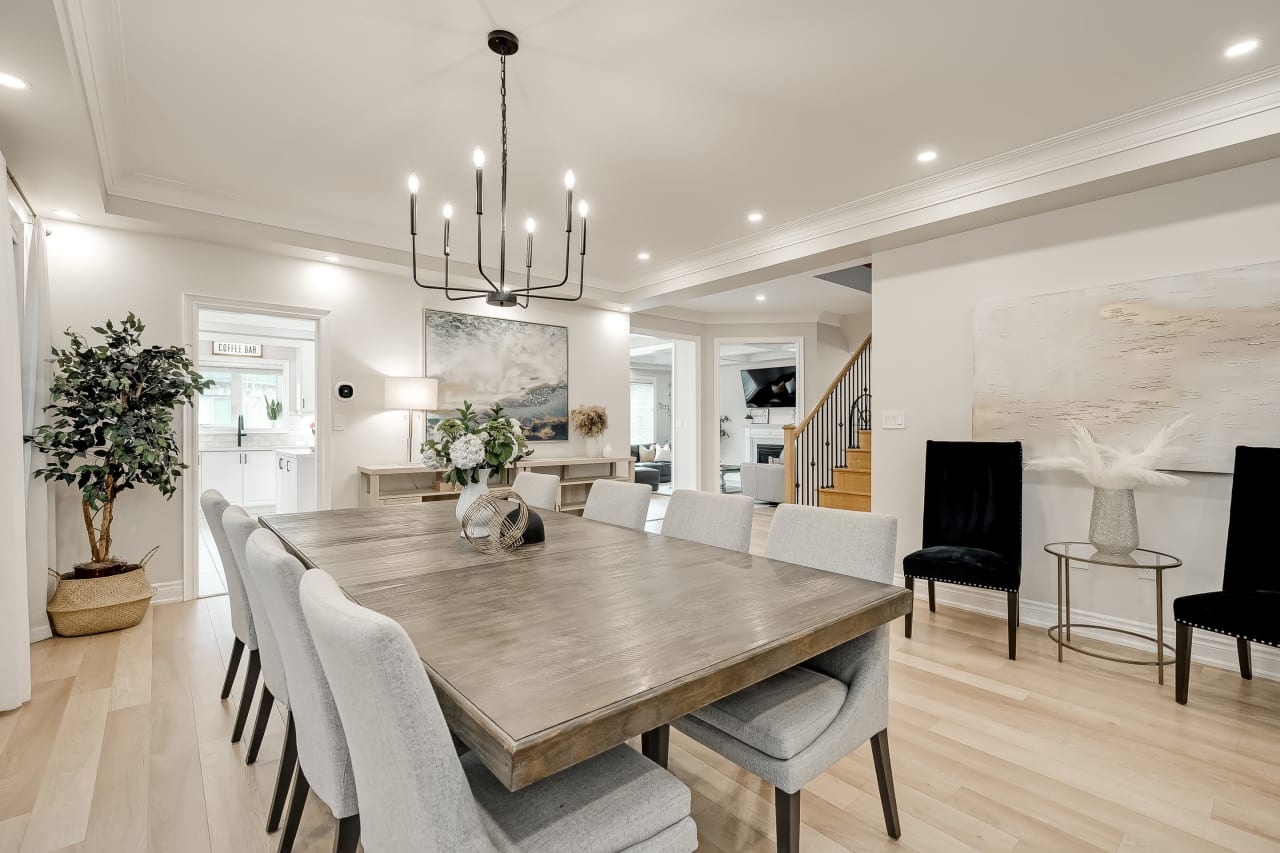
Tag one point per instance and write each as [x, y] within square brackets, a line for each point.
[410, 392]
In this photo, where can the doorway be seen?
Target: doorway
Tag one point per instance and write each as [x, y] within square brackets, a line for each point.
[255, 436]
[664, 416]
[759, 389]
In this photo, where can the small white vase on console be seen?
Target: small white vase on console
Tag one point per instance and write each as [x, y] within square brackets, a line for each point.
[471, 492]
[593, 446]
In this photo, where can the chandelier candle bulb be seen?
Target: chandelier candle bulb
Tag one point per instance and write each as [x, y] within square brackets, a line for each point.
[413, 205]
[568, 201]
[582, 212]
[478, 158]
[530, 226]
[448, 217]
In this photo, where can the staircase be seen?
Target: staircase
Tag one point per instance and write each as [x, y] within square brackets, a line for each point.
[828, 455]
[851, 484]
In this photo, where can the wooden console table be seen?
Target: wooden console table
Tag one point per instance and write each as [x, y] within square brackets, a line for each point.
[399, 484]
[578, 473]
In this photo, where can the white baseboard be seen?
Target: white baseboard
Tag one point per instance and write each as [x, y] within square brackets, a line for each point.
[167, 592]
[1217, 650]
[41, 632]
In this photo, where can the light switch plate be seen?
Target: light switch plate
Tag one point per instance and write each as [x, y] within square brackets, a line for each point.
[339, 422]
[893, 420]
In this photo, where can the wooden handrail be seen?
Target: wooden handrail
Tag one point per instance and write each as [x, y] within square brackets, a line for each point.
[832, 387]
[790, 433]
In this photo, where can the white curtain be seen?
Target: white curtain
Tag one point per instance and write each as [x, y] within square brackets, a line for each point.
[36, 375]
[15, 632]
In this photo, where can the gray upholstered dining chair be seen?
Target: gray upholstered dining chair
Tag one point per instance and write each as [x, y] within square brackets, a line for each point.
[538, 490]
[619, 503]
[240, 527]
[324, 765]
[723, 521]
[788, 729]
[213, 505]
[417, 793]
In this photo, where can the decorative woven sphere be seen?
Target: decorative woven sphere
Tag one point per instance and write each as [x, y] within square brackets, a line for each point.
[490, 525]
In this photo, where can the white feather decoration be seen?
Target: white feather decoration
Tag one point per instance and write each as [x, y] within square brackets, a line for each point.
[1107, 467]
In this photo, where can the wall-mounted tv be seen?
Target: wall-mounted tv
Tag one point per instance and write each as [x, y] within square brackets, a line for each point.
[770, 387]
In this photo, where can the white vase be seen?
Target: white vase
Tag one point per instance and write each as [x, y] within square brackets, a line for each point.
[471, 492]
[593, 446]
[607, 450]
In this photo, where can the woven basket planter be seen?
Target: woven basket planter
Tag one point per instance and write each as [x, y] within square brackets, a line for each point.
[81, 607]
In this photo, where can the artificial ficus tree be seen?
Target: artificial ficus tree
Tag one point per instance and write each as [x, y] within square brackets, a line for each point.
[110, 424]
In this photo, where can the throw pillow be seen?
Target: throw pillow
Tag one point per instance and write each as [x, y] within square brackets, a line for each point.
[775, 460]
[647, 454]
[663, 453]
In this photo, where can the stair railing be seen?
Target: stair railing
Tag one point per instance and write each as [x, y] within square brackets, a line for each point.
[813, 448]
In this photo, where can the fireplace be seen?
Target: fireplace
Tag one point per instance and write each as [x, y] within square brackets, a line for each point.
[765, 452]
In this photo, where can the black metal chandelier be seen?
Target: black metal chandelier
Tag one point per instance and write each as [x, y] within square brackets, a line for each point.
[500, 293]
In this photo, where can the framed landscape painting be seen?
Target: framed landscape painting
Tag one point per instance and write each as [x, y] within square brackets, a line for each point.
[522, 366]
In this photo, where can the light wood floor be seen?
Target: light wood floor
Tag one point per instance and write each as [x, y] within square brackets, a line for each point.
[124, 747]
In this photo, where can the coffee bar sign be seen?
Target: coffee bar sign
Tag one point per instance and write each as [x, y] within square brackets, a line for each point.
[238, 349]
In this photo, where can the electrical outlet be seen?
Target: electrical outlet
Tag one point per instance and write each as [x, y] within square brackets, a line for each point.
[1146, 574]
[893, 420]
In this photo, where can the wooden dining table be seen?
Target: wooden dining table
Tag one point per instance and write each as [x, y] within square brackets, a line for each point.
[546, 656]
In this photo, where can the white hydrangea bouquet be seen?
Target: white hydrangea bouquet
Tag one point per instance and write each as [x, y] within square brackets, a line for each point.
[466, 445]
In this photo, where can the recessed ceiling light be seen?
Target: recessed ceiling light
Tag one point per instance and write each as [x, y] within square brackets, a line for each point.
[644, 256]
[1240, 48]
[927, 156]
[333, 259]
[11, 82]
[65, 214]
[755, 216]
[760, 297]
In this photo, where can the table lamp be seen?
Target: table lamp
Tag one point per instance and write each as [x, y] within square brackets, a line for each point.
[411, 394]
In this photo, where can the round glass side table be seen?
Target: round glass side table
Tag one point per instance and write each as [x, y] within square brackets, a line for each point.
[1139, 558]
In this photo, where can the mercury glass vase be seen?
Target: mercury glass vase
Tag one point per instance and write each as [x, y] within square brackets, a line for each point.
[471, 492]
[1113, 526]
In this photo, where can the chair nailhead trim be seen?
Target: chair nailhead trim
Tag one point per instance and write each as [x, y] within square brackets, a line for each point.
[958, 583]
[1228, 633]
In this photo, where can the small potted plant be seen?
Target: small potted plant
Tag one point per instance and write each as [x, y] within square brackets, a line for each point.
[468, 449]
[275, 409]
[591, 422]
[110, 429]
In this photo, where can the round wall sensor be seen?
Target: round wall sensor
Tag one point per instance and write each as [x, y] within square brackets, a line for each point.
[344, 390]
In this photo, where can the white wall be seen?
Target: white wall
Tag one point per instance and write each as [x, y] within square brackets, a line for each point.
[924, 299]
[374, 329]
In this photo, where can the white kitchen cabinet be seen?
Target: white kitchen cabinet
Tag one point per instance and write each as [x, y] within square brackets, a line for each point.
[245, 477]
[295, 481]
[259, 477]
[224, 471]
[307, 389]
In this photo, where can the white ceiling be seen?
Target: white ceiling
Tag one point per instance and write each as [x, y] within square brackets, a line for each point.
[677, 117]
[797, 297]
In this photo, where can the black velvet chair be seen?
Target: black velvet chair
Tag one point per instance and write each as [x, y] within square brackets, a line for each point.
[972, 522]
[1248, 607]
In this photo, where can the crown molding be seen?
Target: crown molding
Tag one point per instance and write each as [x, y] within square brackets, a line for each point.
[1238, 111]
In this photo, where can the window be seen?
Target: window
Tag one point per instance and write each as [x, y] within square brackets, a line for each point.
[643, 409]
[239, 392]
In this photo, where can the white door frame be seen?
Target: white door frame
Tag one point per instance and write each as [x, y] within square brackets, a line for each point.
[713, 429]
[696, 454]
[191, 306]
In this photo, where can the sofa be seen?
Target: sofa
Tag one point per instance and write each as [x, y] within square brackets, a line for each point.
[764, 481]
[663, 468]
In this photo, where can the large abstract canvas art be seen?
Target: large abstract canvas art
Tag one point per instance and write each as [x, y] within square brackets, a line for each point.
[1127, 359]
[486, 360]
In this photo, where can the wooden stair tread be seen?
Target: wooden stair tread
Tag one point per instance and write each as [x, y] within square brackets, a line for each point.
[836, 491]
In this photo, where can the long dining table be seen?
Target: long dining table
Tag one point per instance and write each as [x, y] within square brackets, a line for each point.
[548, 655]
